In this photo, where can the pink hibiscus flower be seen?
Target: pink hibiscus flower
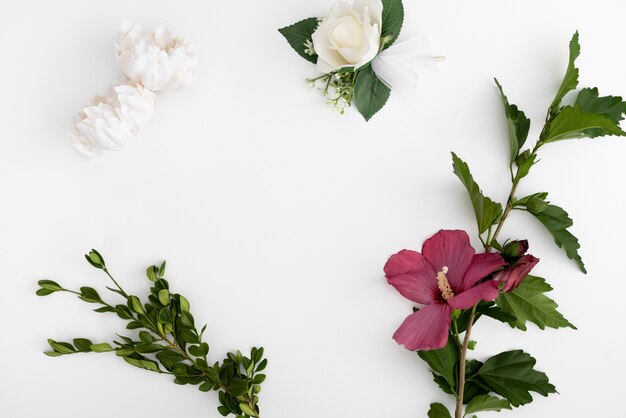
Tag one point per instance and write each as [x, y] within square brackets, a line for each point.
[446, 275]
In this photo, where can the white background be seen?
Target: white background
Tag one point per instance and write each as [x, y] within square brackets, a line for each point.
[276, 215]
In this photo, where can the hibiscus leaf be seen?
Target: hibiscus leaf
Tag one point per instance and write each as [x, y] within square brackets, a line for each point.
[613, 107]
[512, 376]
[438, 410]
[528, 302]
[518, 124]
[393, 16]
[443, 363]
[487, 211]
[556, 221]
[370, 94]
[487, 403]
[570, 81]
[573, 123]
[474, 386]
[298, 34]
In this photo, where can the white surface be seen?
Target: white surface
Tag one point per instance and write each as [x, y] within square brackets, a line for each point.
[277, 215]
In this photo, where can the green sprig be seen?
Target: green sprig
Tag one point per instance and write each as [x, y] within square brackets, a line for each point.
[166, 341]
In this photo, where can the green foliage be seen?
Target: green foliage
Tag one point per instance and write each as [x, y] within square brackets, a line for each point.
[168, 342]
[438, 410]
[370, 94]
[573, 122]
[486, 210]
[512, 376]
[518, 124]
[486, 403]
[570, 80]
[299, 37]
[528, 302]
[443, 364]
[556, 221]
[591, 116]
[393, 17]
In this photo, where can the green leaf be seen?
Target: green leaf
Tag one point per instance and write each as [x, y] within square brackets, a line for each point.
[44, 292]
[82, 344]
[104, 309]
[165, 315]
[570, 81]
[101, 348]
[237, 387]
[123, 312]
[135, 304]
[486, 210]
[370, 94]
[443, 362]
[298, 34]
[556, 221]
[89, 294]
[146, 337]
[164, 297]
[613, 107]
[152, 273]
[524, 163]
[474, 385]
[498, 314]
[169, 358]
[143, 364]
[393, 17]
[528, 302]
[573, 123]
[184, 303]
[438, 410]
[61, 347]
[518, 124]
[511, 375]
[186, 319]
[486, 403]
[49, 285]
[246, 409]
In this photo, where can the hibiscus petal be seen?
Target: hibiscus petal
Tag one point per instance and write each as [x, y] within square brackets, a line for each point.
[513, 276]
[483, 264]
[487, 291]
[426, 329]
[413, 276]
[453, 250]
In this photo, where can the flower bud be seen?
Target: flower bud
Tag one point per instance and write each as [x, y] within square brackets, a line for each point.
[515, 249]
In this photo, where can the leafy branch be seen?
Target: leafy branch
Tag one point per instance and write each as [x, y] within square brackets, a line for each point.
[511, 375]
[166, 341]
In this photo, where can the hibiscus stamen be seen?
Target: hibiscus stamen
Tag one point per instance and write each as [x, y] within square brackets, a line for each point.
[444, 284]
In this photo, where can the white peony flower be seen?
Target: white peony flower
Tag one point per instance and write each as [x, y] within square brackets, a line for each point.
[157, 60]
[109, 122]
[349, 36]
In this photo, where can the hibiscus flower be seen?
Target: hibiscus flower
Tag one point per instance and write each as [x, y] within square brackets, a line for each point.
[446, 275]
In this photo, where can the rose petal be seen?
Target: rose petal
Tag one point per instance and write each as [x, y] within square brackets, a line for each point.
[426, 329]
[453, 250]
[483, 264]
[413, 276]
[487, 291]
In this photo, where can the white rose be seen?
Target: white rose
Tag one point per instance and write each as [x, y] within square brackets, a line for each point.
[109, 122]
[349, 36]
[157, 60]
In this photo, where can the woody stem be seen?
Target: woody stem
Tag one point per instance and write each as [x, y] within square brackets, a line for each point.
[462, 356]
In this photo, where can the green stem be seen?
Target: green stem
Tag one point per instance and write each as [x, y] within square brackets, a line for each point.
[515, 180]
[116, 283]
[462, 357]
